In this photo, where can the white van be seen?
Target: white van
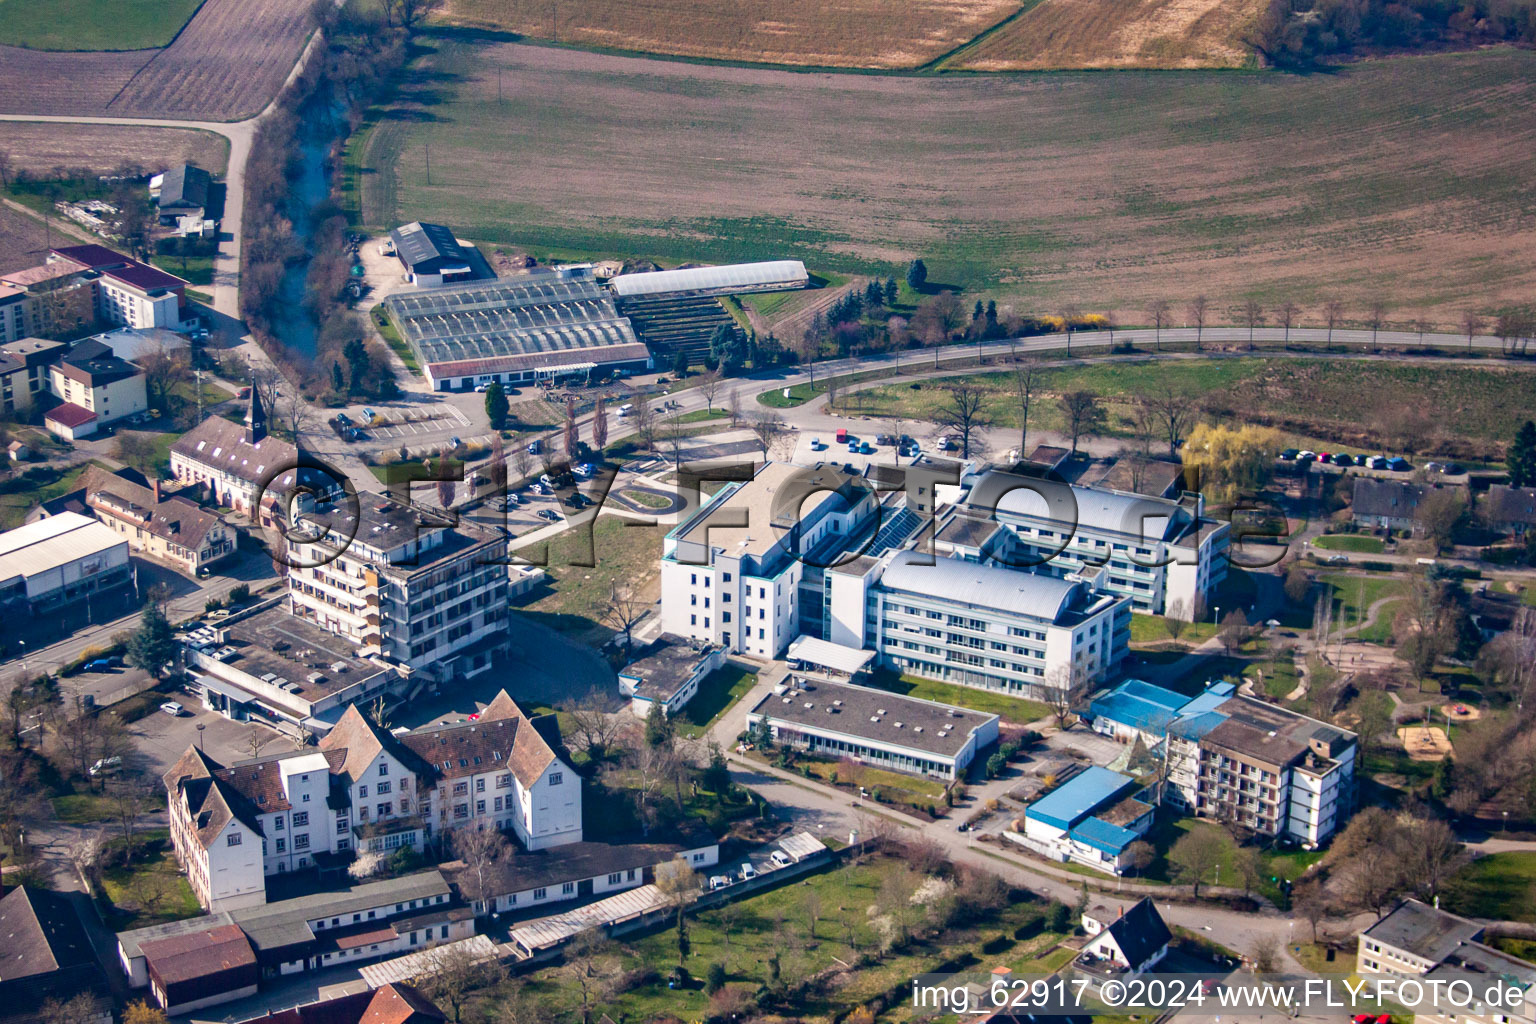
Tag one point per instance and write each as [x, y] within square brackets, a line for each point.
[626, 409]
[780, 858]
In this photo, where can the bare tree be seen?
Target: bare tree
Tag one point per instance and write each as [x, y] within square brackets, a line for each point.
[1333, 312]
[1024, 383]
[1234, 630]
[481, 848]
[645, 423]
[600, 426]
[590, 729]
[1377, 318]
[1286, 313]
[591, 969]
[1265, 954]
[1471, 323]
[1158, 312]
[1311, 905]
[1199, 308]
[256, 738]
[7, 167]
[1065, 688]
[624, 610]
[964, 413]
[768, 427]
[522, 461]
[710, 383]
[452, 973]
[1175, 618]
[128, 796]
[1253, 316]
[677, 433]
[85, 857]
[733, 406]
[1084, 415]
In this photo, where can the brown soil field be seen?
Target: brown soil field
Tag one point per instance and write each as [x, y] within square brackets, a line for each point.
[1117, 34]
[22, 240]
[41, 146]
[1410, 179]
[225, 65]
[852, 33]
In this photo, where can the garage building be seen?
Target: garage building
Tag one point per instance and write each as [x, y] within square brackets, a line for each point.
[60, 560]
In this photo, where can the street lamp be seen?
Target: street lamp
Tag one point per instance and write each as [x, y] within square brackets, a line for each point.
[200, 727]
[1506, 821]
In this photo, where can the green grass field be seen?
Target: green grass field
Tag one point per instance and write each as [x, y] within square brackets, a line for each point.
[20, 494]
[1350, 542]
[1010, 709]
[579, 593]
[777, 924]
[1151, 629]
[1497, 886]
[93, 24]
[1353, 597]
[718, 693]
[150, 890]
[1315, 395]
[1003, 184]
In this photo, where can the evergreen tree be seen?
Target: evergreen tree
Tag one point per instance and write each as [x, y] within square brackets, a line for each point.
[152, 645]
[683, 945]
[680, 364]
[917, 275]
[873, 293]
[356, 355]
[976, 313]
[658, 728]
[1522, 457]
[728, 348]
[891, 291]
[496, 406]
[991, 313]
[338, 382]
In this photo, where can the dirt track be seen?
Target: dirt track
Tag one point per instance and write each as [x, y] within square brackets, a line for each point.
[225, 65]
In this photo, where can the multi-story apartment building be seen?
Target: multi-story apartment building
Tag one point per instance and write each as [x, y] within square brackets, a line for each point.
[1165, 555]
[731, 572]
[126, 291]
[366, 790]
[1262, 768]
[1417, 940]
[985, 626]
[95, 388]
[57, 297]
[402, 583]
[24, 368]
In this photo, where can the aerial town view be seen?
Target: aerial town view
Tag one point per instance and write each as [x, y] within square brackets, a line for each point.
[767, 511]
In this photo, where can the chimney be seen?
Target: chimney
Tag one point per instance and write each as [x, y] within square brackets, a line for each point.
[157, 490]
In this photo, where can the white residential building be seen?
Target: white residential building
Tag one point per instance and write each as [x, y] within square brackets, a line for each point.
[400, 582]
[127, 292]
[365, 790]
[730, 573]
[1164, 554]
[95, 388]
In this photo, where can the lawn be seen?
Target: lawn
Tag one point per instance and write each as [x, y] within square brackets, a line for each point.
[1353, 597]
[894, 787]
[391, 336]
[195, 270]
[1356, 542]
[20, 494]
[1152, 629]
[584, 564]
[93, 24]
[888, 167]
[718, 693]
[775, 926]
[91, 808]
[1010, 709]
[1498, 886]
[646, 498]
[151, 890]
[1277, 864]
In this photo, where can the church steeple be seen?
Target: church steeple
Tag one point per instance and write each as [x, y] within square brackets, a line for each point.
[255, 419]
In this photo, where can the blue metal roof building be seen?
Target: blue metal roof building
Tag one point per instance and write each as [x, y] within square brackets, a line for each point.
[1101, 835]
[1079, 797]
[1139, 705]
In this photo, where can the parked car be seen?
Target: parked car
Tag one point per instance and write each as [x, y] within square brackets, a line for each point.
[549, 514]
[884, 439]
[1337, 560]
[853, 446]
[1290, 453]
[545, 480]
[98, 665]
[1306, 453]
[172, 708]
[1343, 460]
[535, 446]
[780, 858]
[866, 449]
[718, 881]
[344, 419]
[482, 387]
[817, 445]
[748, 871]
[1378, 462]
[1399, 465]
[106, 766]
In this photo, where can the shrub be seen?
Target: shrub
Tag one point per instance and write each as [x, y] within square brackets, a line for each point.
[240, 594]
[213, 604]
[715, 979]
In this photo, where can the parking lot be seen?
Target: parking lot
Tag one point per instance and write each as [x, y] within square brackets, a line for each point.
[160, 739]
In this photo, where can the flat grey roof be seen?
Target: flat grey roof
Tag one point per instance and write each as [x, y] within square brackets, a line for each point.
[871, 714]
[1424, 931]
[278, 643]
[1034, 595]
[664, 667]
[287, 922]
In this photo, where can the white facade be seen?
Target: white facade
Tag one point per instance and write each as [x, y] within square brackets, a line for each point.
[731, 573]
[109, 401]
[124, 304]
[1161, 553]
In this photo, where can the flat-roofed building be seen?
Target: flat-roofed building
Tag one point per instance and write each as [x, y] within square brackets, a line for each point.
[24, 368]
[1165, 555]
[731, 572]
[875, 727]
[96, 389]
[730, 279]
[58, 561]
[127, 292]
[401, 582]
[1416, 940]
[666, 675]
[1090, 819]
[535, 327]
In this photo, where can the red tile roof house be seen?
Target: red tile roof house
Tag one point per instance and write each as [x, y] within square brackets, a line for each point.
[96, 388]
[191, 971]
[389, 1004]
